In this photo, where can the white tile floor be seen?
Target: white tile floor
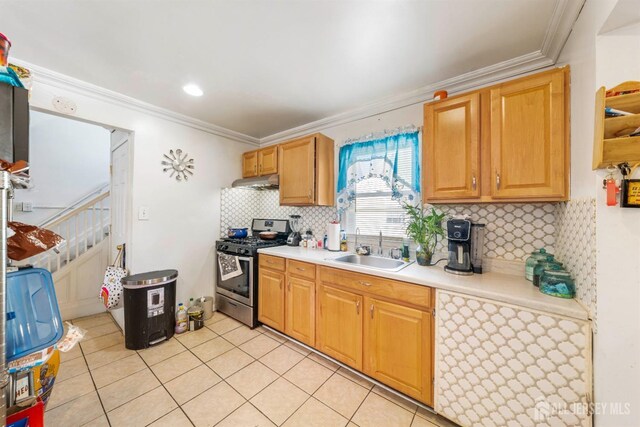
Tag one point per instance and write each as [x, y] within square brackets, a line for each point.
[224, 374]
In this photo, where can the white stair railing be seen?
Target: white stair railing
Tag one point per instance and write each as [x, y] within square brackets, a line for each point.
[82, 228]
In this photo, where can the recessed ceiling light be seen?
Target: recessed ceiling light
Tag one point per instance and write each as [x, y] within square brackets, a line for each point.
[192, 90]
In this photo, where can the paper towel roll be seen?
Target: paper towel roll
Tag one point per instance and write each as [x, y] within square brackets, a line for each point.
[333, 236]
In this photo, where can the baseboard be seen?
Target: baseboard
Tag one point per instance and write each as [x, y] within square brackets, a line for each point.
[81, 309]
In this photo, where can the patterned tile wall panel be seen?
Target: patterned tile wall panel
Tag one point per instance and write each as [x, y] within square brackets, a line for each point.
[513, 231]
[576, 247]
[499, 365]
[240, 205]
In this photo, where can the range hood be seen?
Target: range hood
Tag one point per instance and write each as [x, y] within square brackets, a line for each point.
[267, 182]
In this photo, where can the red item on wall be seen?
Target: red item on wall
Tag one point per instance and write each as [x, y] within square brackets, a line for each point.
[612, 192]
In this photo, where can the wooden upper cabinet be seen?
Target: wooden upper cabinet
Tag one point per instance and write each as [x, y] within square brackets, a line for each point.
[250, 164]
[297, 172]
[306, 169]
[508, 142]
[529, 144]
[268, 160]
[451, 153]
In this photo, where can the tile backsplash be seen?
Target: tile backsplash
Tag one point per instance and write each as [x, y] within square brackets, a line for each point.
[240, 205]
[513, 231]
[576, 248]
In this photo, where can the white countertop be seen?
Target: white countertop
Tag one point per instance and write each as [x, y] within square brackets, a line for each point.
[494, 286]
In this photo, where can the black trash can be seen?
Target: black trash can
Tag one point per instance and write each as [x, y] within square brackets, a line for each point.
[149, 304]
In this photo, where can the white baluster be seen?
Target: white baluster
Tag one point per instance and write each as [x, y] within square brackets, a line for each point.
[101, 219]
[68, 240]
[93, 224]
[57, 255]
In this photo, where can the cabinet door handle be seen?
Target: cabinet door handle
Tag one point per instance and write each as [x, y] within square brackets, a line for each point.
[363, 283]
[309, 194]
[371, 310]
[497, 180]
[357, 307]
[255, 168]
[474, 182]
[299, 268]
[260, 167]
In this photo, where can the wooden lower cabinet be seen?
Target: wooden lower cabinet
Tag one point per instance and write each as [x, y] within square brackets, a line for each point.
[300, 310]
[381, 327]
[339, 325]
[397, 347]
[271, 288]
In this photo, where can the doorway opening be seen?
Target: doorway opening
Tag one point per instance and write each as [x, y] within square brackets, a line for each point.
[80, 173]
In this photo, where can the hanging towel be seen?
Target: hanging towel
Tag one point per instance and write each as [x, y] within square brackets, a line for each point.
[229, 266]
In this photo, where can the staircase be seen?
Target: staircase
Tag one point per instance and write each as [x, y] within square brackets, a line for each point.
[78, 264]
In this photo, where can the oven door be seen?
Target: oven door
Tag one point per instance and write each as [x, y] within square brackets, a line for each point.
[239, 288]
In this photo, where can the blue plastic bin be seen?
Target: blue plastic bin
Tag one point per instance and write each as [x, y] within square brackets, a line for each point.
[33, 316]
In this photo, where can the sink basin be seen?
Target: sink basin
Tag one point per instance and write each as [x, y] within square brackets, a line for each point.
[373, 262]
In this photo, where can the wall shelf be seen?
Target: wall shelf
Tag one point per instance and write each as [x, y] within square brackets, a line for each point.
[611, 145]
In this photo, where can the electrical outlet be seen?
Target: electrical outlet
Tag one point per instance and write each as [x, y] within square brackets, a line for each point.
[27, 206]
[143, 213]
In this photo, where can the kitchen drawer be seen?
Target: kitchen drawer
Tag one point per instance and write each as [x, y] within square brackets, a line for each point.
[392, 289]
[272, 262]
[301, 269]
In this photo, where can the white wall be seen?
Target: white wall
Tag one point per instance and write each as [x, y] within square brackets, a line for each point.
[68, 160]
[185, 217]
[617, 354]
[606, 60]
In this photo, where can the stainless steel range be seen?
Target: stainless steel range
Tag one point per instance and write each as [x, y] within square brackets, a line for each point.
[237, 269]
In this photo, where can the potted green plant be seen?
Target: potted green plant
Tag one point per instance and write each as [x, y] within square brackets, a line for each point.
[424, 227]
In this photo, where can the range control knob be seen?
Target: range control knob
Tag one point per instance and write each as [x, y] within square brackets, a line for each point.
[457, 234]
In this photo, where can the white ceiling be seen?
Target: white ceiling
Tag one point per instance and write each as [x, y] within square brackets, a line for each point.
[267, 66]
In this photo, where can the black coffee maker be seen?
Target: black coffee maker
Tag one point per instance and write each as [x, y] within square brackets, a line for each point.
[459, 235]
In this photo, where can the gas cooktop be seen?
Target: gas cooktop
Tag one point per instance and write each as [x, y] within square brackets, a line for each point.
[255, 241]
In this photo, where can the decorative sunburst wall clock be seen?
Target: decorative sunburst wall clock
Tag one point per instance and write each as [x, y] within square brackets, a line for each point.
[178, 164]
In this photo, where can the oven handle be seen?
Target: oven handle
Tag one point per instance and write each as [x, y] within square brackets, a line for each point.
[241, 258]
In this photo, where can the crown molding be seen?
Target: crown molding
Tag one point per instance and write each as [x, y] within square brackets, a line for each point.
[471, 80]
[41, 75]
[564, 17]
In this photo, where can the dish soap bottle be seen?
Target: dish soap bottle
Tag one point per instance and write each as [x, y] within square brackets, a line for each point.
[182, 319]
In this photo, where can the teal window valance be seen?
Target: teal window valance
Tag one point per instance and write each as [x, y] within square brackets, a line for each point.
[393, 158]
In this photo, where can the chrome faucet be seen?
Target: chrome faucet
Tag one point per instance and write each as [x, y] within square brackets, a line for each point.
[380, 252]
[357, 233]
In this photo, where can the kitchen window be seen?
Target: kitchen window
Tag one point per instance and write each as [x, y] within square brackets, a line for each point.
[377, 174]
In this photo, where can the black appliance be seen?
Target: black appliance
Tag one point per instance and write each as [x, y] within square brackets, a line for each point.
[237, 294]
[14, 123]
[294, 237]
[459, 236]
[149, 308]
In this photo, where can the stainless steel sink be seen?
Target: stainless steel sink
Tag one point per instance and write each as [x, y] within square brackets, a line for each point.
[373, 262]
